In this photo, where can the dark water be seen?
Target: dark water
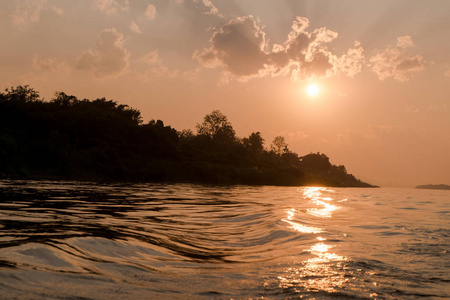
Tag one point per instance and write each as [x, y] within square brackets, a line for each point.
[70, 240]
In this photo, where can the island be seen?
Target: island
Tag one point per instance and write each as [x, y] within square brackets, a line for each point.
[434, 187]
[101, 140]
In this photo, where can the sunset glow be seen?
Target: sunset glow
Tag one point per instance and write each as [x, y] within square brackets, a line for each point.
[383, 88]
[224, 149]
[313, 90]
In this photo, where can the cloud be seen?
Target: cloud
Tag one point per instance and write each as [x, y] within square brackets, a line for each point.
[294, 136]
[47, 72]
[305, 54]
[28, 11]
[150, 12]
[351, 63]
[161, 71]
[151, 57]
[57, 10]
[372, 133]
[447, 73]
[412, 109]
[211, 8]
[393, 62]
[110, 7]
[135, 28]
[433, 107]
[154, 68]
[240, 48]
[108, 58]
[50, 65]
[191, 75]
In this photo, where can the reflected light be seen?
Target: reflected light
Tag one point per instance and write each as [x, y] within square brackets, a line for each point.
[324, 212]
[299, 227]
[315, 194]
[321, 251]
[320, 247]
[324, 270]
[321, 273]
[303, 228]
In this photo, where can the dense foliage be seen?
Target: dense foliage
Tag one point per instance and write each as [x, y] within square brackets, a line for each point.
[69, 138]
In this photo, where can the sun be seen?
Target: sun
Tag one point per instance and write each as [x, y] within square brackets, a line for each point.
[313, 90]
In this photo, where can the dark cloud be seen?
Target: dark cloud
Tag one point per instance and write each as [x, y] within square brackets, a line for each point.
[318, 65]
[414, 63]
[240, 48]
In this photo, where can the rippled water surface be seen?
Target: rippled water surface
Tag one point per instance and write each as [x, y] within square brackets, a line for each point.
[71, 240]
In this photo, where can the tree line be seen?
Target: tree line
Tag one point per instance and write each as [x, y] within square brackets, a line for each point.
[81, 139]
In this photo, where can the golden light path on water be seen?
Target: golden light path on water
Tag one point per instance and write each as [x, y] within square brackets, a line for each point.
[325, 208]
[323, 271]
[300, 227]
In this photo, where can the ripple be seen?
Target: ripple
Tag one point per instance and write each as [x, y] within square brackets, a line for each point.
[72, 239]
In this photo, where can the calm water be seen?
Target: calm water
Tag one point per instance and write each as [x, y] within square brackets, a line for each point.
[70, 240]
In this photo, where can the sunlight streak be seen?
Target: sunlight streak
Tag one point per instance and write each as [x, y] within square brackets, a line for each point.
[324, 212]
[325, 209]
[322, 272]
[300, 227]
[319, 248]
[303, 228]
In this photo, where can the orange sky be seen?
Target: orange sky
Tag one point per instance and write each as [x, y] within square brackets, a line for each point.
[382, 68]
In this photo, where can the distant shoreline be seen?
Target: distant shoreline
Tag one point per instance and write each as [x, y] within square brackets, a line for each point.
[434, 187]
[202, 183]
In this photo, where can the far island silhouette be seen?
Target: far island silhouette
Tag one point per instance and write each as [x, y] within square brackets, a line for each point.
[434, 186]
[79, 139]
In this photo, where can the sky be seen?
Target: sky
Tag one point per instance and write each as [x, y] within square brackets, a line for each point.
[382, 69]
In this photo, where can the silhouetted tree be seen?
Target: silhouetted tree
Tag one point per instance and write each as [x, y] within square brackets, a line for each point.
[186, 134]
[216, 126]
[279, 145]
[71, 138]
[255, 142]
[20, 94]
[316, 161]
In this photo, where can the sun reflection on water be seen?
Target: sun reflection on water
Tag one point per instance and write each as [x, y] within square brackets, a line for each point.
[325, 209]
[324, 212]
[319, 248]
[300, 227]
[324, 271]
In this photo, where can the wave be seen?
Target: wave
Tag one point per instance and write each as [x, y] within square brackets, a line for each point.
[188, 241]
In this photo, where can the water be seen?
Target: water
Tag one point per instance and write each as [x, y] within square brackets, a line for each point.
[71, 240]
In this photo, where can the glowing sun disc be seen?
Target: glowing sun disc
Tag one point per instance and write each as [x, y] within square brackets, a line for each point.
[313, 90]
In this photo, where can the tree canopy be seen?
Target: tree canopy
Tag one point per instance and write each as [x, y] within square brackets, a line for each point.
[216, 126]
[71, 138]
[279, 145]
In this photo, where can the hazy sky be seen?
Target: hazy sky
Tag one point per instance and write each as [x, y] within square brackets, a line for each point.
[382, 68]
